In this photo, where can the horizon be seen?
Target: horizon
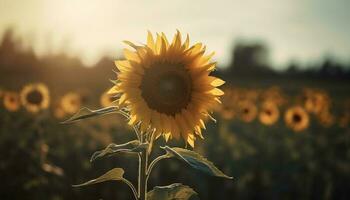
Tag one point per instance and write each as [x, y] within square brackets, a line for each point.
[293, 31]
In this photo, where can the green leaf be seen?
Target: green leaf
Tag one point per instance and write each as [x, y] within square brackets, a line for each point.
[129, 147]
[195, 160]
[171, 192]
[85, 113]
[115, 174]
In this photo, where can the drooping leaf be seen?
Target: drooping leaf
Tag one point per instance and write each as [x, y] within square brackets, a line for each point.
[85, 113]
[171, 192]
[129, 147]
[195, 160]
[115, 174]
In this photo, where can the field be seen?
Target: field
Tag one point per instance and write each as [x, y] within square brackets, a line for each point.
[276, 159]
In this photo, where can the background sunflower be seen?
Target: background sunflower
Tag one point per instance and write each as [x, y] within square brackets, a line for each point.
[296, 118]
[269, 113]
[35, 97]
[247, 110]
[11, 101]
[70, 102]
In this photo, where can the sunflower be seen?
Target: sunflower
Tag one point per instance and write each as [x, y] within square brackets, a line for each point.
[251, 94]
[247, 110]
[227, 112]
[167, 86]
[227, 108]
[275, 95]
[296, 118]
[326, 119]
[35, 97]
[316, 101]
[269, 113]
[58, 112]
[70, 103]
[107, 99]
[11, 101]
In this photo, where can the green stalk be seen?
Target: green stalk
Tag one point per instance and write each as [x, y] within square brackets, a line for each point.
[143, 165]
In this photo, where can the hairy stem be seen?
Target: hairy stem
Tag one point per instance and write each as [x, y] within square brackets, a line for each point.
[131, 187]
[143, 161]
[153, 163]
[143, 165]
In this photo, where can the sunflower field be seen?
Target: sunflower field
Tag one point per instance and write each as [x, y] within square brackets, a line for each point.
[280, 136]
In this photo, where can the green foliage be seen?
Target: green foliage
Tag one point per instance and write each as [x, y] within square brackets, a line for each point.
[115, 174]
[195, 160]
[133, 146]
[171, 192]
[85, 113]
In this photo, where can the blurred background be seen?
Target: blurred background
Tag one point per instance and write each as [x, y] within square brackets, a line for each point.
[282, 131]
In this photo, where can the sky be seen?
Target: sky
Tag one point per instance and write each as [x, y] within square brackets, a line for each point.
[294, 30]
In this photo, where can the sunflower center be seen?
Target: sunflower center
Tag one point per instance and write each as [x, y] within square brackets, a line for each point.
[246, 111]
[34, 97]
[166, 88]
[268, 112]
[296, 118]
[73, 102]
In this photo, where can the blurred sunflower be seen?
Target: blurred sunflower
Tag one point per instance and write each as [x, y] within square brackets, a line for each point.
[316, 101]
[70, 102]
[227, 108]
[275, 95]
[35, 97]
[247, 110]
[269, 113]
[107, 99]
[58, 112]
[11, 101]
[167, 86]
[326, 119]
[296, 118]
[250, 94]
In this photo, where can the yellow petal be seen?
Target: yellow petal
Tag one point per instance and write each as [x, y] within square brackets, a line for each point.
[177, 42]
[123, 65]
[158, 44]
[187, 42]
[150, 41]
[202, 124]
[131, 44]
[167, 136]
[132, 120]
[165, 39]
[122, 99]
[175, 128]
[199, 131]
[217, 82]
[113, 90]
[163, 48]
[190, 140]
[217, 92]
[129, 55]
[204, 59]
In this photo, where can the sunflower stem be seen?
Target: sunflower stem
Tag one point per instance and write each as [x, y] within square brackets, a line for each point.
[153, 163]
[131, 187]
[143, 162]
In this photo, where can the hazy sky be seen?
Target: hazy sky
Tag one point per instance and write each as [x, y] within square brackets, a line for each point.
[302, 30]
